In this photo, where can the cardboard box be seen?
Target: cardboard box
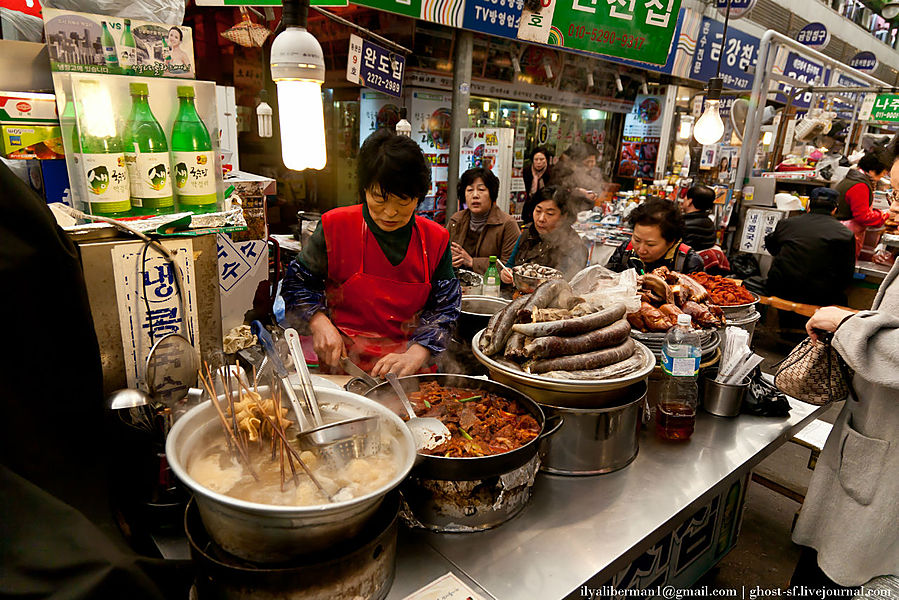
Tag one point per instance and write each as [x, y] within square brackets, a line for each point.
[22, 107]
[25, 141]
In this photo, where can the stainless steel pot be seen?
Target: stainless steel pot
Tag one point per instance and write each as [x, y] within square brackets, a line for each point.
[563, 392]
[595, 440]
[476, 312]
[268, 533]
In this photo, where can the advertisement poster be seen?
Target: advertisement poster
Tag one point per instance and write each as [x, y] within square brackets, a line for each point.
[85, 43]
[431, 121]
[489, 148]
[376, 110]
[641, 136]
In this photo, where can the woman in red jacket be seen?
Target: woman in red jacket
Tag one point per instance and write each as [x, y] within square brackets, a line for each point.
[857, 195]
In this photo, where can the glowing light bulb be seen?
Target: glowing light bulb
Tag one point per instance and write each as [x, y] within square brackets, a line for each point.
[264, 119]
[302, 124]
[709, 128]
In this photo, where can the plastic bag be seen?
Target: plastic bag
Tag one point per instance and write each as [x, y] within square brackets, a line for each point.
[30, 29]
[170, 12]
[601, 287]
[763, 399]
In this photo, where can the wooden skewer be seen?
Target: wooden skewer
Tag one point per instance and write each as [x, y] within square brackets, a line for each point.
[241, 450]
[275, 421]
[296, 457]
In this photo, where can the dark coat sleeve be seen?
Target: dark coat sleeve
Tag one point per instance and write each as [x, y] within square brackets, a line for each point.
[304, 294]
[694, 263]
[773, 239]
[616, 261]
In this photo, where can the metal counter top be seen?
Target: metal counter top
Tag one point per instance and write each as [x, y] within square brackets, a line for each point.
[579, 528]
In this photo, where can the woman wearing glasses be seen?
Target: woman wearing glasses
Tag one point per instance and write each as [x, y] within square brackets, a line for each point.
[375, 282]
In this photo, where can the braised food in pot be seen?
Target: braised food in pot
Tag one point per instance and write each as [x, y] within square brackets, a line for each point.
[481, 423]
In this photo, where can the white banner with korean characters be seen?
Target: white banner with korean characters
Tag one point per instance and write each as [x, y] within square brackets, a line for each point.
[145, 279]
[242, 267]
[756, 226]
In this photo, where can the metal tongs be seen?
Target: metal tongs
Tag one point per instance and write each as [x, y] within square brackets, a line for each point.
[268, 345]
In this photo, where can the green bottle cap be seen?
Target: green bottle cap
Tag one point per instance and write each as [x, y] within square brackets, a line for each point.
[185, 91]
[127, 22]
[139, 89]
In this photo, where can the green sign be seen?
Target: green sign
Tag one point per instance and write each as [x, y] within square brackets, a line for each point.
[411, 8]
[638, 30]
[265, 2]
[884, 108]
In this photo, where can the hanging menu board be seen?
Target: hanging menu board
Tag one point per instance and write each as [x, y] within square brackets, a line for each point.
[642, 134]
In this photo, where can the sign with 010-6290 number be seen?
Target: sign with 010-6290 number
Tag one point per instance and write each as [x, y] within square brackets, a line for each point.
[375, 67]
[640, 30]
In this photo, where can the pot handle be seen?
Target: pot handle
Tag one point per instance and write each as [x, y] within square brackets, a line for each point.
[552, 424]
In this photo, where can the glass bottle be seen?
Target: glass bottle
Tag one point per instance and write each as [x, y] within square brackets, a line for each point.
[101, 162]
[147, 157]
[681, 355]
[110, 57]
[491, 279]
[192, 157]
[129, 50]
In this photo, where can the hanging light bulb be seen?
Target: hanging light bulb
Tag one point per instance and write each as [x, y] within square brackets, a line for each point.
[403, 126]
[686, 128]
[618, 83]
[264, 116]
[590, 81]
[486, 106]
[709, 128]
[516, 64]
[547, 68]
[298, 69]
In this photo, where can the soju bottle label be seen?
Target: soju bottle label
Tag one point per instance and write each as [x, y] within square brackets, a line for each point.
[149, 175]
[126, 60]
[107, 178]
[195, 174]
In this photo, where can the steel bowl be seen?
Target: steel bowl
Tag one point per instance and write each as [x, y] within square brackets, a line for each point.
[527, 285]
[566, 393]
[476, 312]
[269, 533]
[738, 311]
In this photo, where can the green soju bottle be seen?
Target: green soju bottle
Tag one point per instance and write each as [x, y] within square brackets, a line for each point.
[109, 52]
[129, 50]
[491, 279]
[102, 164]
[147, 158]
[192, 157]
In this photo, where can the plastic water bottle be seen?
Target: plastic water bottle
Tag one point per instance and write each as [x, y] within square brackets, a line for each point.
[681, 355]
[491, 279]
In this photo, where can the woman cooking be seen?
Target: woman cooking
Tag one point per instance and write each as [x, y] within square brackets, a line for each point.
[375, 282]
[549, 240]
[656, 241]
[482, 229]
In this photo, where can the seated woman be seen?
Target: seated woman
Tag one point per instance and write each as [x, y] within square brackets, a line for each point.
[375, 282]
[482, 229]
[549, 240]
[658, 231]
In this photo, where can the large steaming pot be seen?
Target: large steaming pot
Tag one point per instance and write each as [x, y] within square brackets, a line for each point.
[266, 533]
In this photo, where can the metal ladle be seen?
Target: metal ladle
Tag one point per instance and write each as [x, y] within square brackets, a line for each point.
[428, 431]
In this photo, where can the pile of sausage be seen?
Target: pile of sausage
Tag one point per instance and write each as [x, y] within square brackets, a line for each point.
[666, 294]
[554, 330]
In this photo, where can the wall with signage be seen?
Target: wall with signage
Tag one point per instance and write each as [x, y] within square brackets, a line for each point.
[741, 52]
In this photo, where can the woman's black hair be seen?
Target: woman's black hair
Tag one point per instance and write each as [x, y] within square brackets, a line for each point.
[180, 33]
[541, 150]
[874, 162]
[472, 175]
[393, 164]
[663, 214]
[563, 199]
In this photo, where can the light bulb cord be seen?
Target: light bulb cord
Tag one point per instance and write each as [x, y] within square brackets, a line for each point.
[295, 13]
[723, 39]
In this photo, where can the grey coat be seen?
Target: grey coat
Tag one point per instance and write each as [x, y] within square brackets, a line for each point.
[851, 512]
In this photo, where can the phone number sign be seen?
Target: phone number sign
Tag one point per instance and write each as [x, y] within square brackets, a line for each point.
[375, 67]
[640, 30]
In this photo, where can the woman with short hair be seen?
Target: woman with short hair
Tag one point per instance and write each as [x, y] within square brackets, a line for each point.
[481, 229]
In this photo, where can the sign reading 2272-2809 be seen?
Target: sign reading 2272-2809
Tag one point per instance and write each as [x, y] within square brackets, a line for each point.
[634, 29]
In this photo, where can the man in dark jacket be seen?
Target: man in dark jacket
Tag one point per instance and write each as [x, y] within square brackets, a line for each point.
[699, 230]
[814, 254]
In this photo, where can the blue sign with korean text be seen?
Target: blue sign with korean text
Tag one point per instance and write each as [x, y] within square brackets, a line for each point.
[493, 17]
[813, 35]
[864, 61]
[381, 70]
[740, 55]
[805, 70]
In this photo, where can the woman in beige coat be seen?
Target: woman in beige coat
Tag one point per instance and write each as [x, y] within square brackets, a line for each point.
[482, 229]
[851, 513]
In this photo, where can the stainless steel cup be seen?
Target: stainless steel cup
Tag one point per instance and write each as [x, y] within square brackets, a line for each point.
[721, 399]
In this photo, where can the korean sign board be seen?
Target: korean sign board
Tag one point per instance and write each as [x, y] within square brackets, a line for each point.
[885, 107]
[814, 35]
[740, 54]
[143, 280]
[864, 61]
[375, 67]
[638, 30]
[805, 70]
[737, 8]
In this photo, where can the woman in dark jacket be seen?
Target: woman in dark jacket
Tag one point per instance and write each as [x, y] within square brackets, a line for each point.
[549, 240]
[536, 175]
[657, 240]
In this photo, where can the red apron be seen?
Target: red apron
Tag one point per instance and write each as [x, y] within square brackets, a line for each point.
[376, 307]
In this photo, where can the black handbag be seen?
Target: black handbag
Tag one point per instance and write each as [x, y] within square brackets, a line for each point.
[763, 399]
